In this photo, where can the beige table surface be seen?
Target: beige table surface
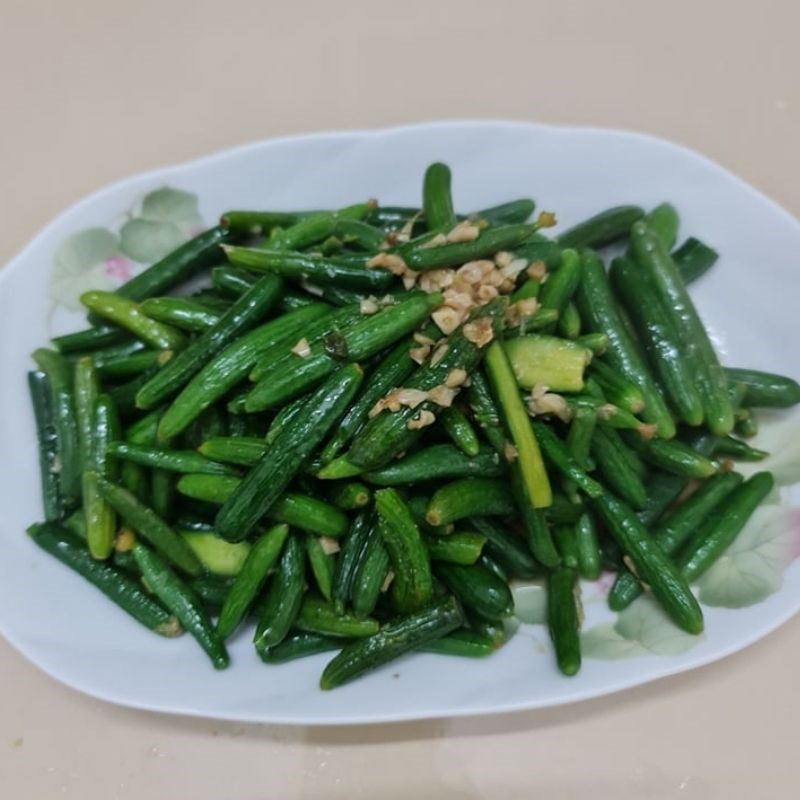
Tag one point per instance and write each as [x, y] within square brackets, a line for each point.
[92, 91]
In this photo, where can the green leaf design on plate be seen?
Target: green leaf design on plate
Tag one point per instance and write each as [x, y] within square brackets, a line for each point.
[641, 629]
[752, 568]
[79, 264]
[147, 241]
[779, 435]
[530, 604]
[172, 205]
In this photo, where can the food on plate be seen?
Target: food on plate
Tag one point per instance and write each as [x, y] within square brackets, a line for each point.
[368, 423]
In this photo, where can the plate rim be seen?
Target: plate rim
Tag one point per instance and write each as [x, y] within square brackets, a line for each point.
[576, 695]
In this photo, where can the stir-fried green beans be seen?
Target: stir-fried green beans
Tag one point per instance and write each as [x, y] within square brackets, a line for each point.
[372, 419]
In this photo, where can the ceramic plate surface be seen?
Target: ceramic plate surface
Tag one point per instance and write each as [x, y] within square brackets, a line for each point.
[748, 301]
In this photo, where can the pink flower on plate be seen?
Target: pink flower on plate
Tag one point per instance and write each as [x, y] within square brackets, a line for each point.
[119, 268]
[604, 583]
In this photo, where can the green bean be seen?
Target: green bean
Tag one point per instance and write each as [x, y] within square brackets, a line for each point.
[469, 497]
[256, 222]
[315, 227]
[673, 531]
[99, 515]
[668, 585]
[673, 456]
[390, 373]
[617, 388]
[511, 213]
[229, 367]
[528, 456]
[350, 557]
[184, 313]
[596, 342]
[284, 597]
[47, 437]
[134, 364]
[708, 542]
[263, 485]
[118, 587]
[460, 430]
[601, 229]
[150, 526]
[437, 200]
[765, 389]
[243, 450]
[251, 579]
[127, 315]
[62, 405]
[739, 450]
[491, 241]
[562, 283]
[90, 340]
[299, 645]
[505, 547]
[317, 616]
[461, 547]
[588, 548]
[350, 495]
[182, 602]
[242, 315]
[569, 321]
[693, 259]
[558, 454]
[170, 460]
[176, 267]
[393, 640]
[360, 233]
[563, 619]
[696, 344]
[661, 339]
[322, 563]
[413, 582]
[309, 266]
[601, 314]
[436, 463]
[663, 221]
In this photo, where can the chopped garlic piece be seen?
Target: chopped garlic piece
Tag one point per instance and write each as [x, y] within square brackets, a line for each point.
[419, 354]
[455, 378]
[549, 404]
[510, 452]
[421, 420]
[503, 258]
[389, 261]
[537, 271]
[436, 241]
[302, 348]
[368, 305]
[442, 395]
[387, 581]
[410, 397]
[487, 293]
[435, 280]
[479, 331]
[461, 301]
[439, 353]
[466, 231]
[447, 319]
[329, 546]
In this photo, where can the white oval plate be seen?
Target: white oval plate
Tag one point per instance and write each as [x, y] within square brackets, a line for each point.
[65, 627]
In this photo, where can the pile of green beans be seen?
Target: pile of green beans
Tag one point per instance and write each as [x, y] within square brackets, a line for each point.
[328, 445]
